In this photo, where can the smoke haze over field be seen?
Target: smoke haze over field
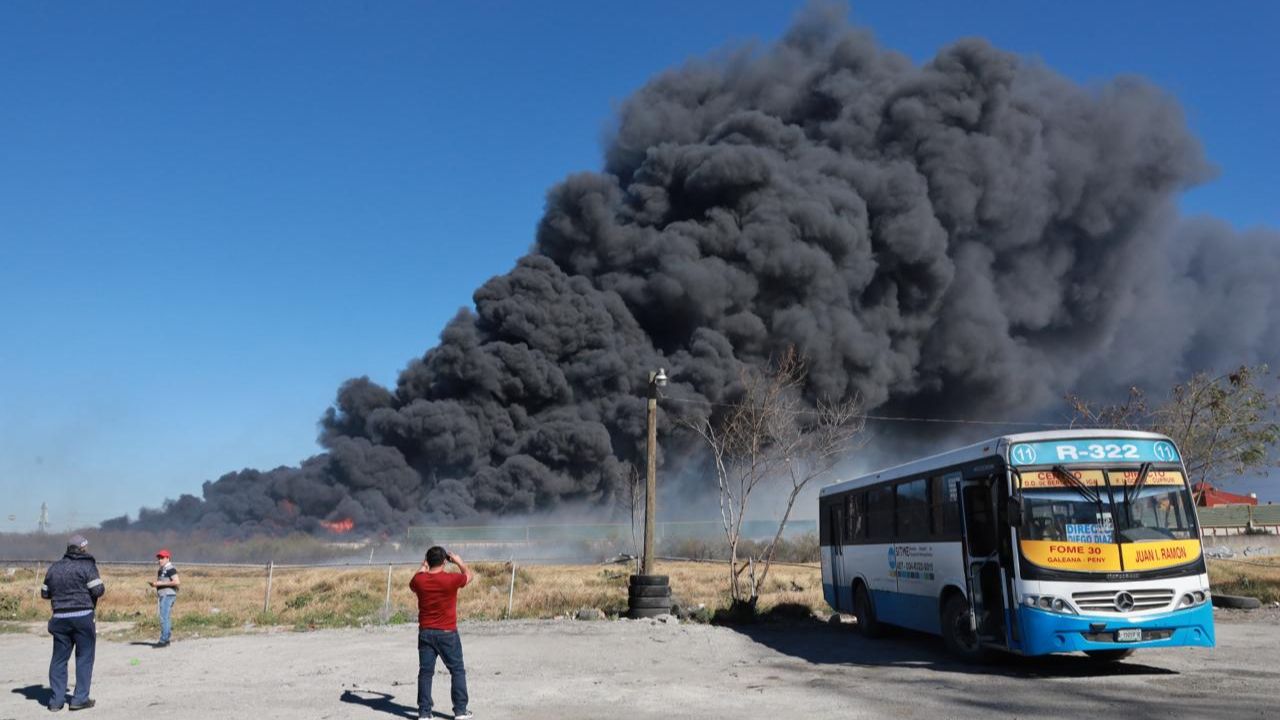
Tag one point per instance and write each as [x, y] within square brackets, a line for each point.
[968, 238]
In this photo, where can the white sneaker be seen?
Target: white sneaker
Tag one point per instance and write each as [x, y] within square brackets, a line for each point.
[464, 716]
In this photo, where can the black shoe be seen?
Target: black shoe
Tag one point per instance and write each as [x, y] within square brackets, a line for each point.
[55, 709]
[162, 643]
[87, 704]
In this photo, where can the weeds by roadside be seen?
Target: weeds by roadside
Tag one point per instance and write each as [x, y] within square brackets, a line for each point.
[226, 600]
[1256, 577]
[221, 600]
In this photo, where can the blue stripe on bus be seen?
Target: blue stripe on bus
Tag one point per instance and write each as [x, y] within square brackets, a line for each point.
[1045, 632]
[841, 603]
[918, 612]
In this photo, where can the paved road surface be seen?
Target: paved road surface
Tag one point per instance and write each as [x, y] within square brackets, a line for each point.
[566, 670]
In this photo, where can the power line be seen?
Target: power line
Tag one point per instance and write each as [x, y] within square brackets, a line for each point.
[884, 418]
[959, 421]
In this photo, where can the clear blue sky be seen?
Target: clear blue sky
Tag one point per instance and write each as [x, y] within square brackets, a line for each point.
[211, 214]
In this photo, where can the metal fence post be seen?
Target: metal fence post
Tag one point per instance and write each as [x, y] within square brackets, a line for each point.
[511, 593]
[266, 601]
[386, 604]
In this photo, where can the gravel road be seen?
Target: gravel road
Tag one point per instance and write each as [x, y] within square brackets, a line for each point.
[639, 669]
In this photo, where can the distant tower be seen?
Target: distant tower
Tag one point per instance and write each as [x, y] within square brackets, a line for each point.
[43, 526]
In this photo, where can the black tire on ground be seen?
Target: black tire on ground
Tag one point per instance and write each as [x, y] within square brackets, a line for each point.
[637, 580]
[1236, 602]
[1110, 656]
[649, 591]
[961, 639]
[865, 613]
[637, 613]
[650, 602]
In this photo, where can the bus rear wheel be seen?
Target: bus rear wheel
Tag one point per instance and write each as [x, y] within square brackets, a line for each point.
[868, 626]
[957, 632]
[1110, 656]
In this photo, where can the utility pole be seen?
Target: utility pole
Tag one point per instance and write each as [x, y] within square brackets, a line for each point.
[656, 380]
[649, 594]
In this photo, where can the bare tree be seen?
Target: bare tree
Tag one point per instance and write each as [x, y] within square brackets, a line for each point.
[1132, 414]
[1223, 424]
[631, 502]
[771, 437]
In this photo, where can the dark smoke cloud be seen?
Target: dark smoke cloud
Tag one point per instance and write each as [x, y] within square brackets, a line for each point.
[968, 238]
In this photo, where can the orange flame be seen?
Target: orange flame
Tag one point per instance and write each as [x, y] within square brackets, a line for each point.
[339, 526]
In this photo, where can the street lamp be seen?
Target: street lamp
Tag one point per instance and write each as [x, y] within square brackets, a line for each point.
[656, 380]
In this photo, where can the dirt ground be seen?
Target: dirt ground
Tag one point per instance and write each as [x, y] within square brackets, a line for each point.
[642, 669]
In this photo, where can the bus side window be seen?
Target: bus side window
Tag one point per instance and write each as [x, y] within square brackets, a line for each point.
[855, 520]
[860, 501]
[880, 513]
[913, 509]
[945, 500]
[837, 523]
[982, 524]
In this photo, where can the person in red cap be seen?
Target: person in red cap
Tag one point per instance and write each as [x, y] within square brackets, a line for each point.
[166, 585]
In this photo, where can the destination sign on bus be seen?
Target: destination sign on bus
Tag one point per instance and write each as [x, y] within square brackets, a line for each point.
[1048, 479]
[1119, 450]
[1109, 557]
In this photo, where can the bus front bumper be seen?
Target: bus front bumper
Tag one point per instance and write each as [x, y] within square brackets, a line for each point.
[1045, 632]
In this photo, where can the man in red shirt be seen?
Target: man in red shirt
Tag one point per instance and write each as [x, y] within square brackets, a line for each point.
[437, 593]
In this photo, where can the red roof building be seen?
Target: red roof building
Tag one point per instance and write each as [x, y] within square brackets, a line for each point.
[1210, 496]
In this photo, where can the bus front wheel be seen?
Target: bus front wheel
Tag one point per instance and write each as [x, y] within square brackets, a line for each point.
[868, 626]
[958, 633]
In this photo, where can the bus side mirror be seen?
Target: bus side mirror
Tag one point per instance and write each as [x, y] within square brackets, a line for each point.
[1014, 511]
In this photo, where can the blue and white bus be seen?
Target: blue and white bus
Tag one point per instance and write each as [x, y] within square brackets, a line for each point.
[1034, 543]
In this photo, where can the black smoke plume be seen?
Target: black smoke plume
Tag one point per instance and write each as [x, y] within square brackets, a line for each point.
[967, 238]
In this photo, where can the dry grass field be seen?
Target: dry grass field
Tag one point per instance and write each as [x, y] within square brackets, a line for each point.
[1256, 577]
[221, 600]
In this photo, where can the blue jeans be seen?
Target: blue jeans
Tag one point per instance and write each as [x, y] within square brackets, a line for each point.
[166, 609]
[68, 633]
[448, 646]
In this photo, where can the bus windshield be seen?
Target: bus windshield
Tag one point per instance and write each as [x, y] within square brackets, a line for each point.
[1053, 509]
[1161, 509]
[1066, 514]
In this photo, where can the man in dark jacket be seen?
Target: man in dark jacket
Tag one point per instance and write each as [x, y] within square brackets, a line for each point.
[72, 586]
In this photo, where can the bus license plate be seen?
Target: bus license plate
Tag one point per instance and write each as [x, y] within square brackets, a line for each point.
[1129, 635]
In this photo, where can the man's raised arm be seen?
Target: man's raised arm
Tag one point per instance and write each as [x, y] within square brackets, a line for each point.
[461, 565]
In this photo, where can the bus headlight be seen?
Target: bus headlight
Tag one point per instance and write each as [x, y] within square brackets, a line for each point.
[1192, 599]
[1049, 602]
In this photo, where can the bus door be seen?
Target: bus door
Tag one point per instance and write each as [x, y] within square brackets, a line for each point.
[983, 572]
[835, 560]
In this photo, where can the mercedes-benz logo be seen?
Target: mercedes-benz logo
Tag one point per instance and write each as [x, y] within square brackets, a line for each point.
[1124, 602]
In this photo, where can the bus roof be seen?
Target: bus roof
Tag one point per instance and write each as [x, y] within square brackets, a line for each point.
[979, 450]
